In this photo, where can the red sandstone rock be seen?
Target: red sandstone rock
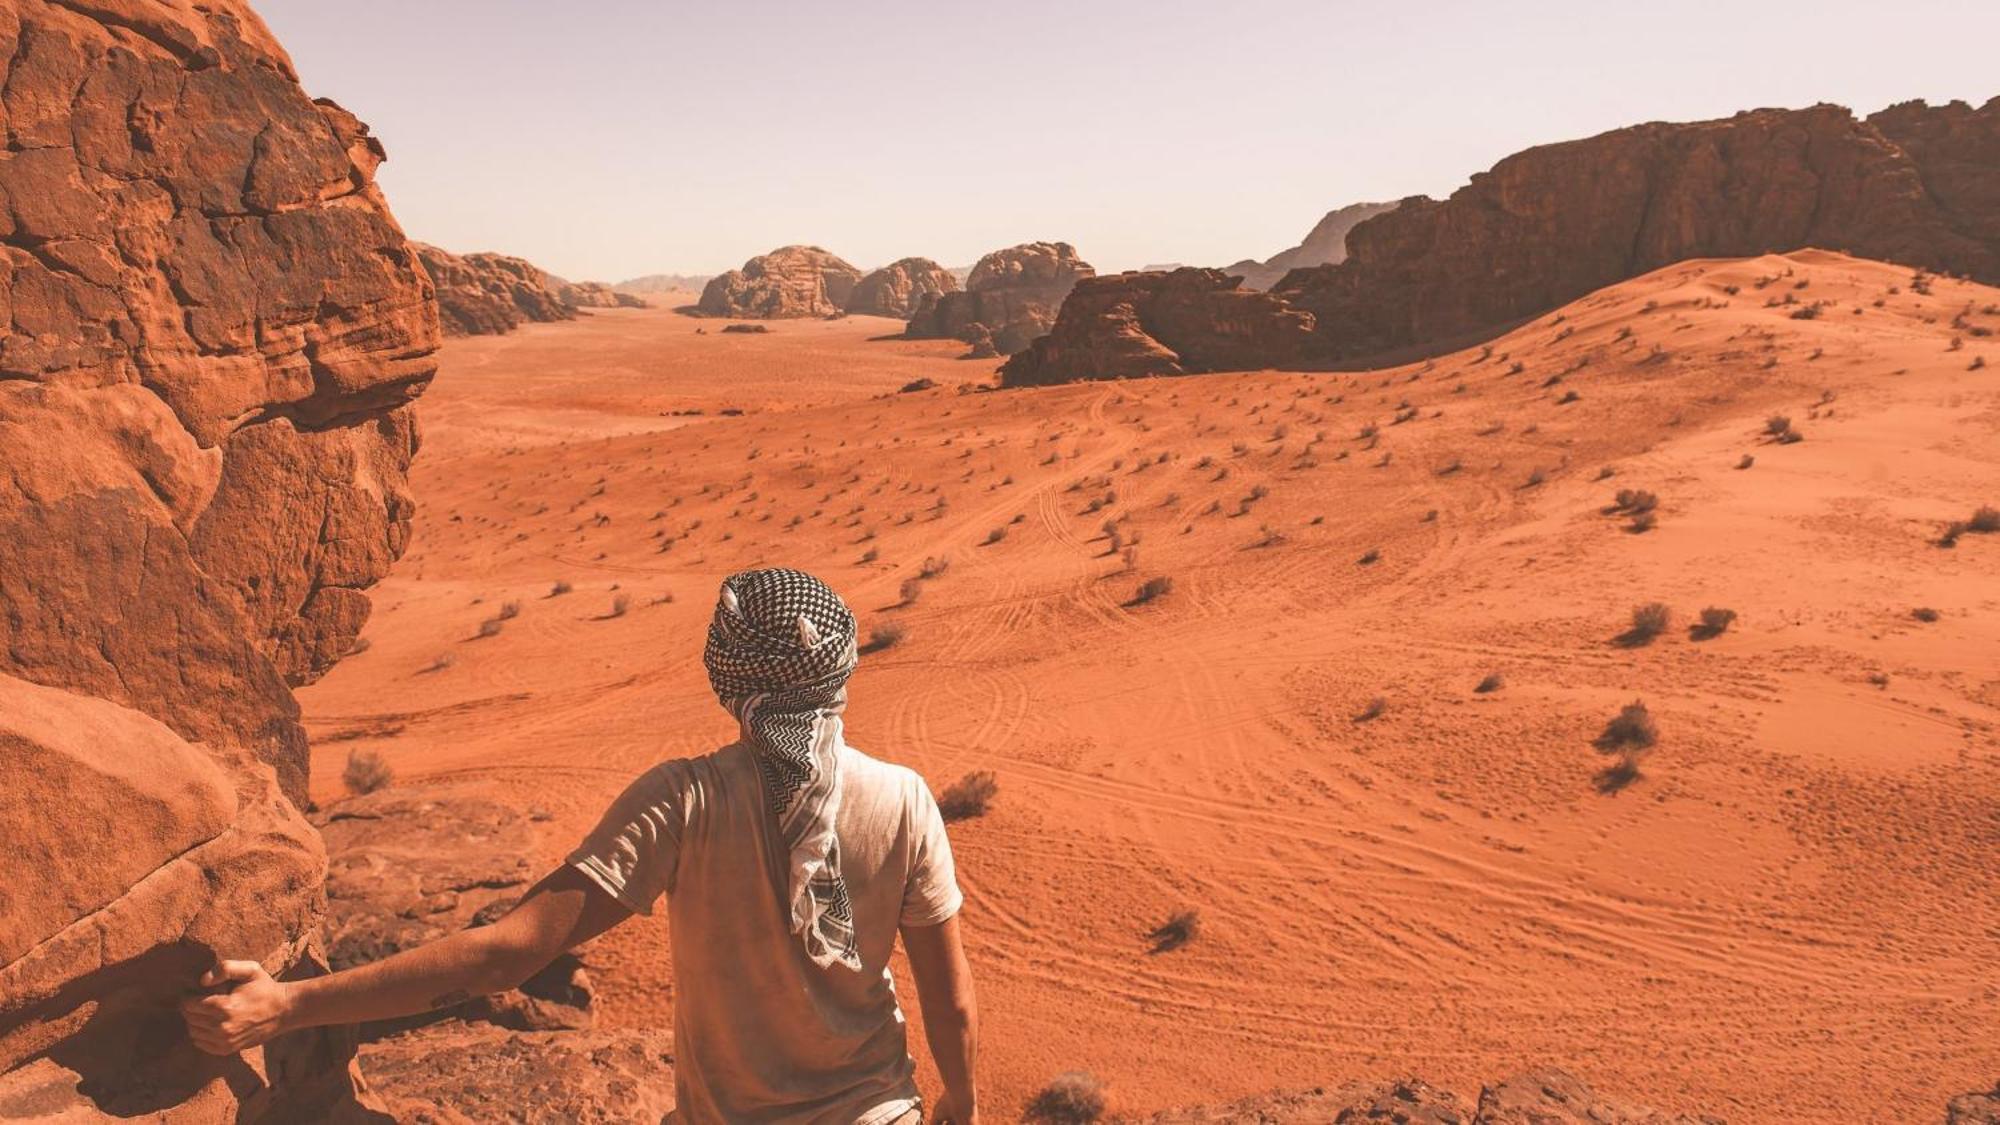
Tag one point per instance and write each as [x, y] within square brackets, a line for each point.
[455, 1074]
[791, 281]
[486, 294]
[1175, 323]
[897, 288]
[1012, 294]
[210, 332]
[1544, 1097]
[597, 295]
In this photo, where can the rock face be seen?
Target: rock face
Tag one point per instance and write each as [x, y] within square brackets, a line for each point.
[1913, 184]
[1543, 1097]
[1974, 1109]
[897, 288]
[1324, 245]
[211, 330]
[487, 294]
[1010, 297]
[597, 295]
[469, 1075]
[664, 283]
[792, 281]
[409, 865]
[1133, 324]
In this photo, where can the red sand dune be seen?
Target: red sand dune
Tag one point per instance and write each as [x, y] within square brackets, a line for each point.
[1789, 915]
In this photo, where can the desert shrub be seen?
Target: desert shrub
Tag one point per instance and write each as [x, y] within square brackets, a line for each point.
[1715, 621]
[883, 637]
[1643, 522]
[1746, 462]
[1568, 397]
[1182, 928]
[367, 771]
[1373, 711]
[934, 566]
[1777, 425]
[969, 796]
[871, 554]
[995, 536]
[911, 590]
[509, 611]
[1535, 479]
[1978, 363]
[1806, 312]
[916, 385]
[1618, 774]
[1648, 621]
[1074, 1098]
[559, 589]
[1985, 521]
[1152, 589]
[1373, 556]
[1492, 683]
[444, 661]
[620, 605]
[1925, 614]
[1633, 500]
[1631, 729]
[490, 627]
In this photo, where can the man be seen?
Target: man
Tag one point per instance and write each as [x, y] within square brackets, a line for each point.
[790, 861]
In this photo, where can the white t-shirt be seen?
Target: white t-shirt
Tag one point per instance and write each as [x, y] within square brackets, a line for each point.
[761, 1033]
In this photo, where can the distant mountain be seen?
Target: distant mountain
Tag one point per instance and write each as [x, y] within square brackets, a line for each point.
[665, 283]
[1325, 245]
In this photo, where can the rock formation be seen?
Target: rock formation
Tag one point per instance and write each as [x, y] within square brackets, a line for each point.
[1175, 323]
[791, 281]
[897, 288]
[486, 294]
[653, 283]
[211, 330]
[597, 295]
[1011, 297]
[1914, 184]
[1324, 245]
[1982, 1108]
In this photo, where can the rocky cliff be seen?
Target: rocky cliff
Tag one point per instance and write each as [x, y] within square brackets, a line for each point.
[486, 294]
[899, 287]
[791, 281]
[1913, 184]
[1324, 245]
[597, 295]
[1010, 297]
[211, 330]
[1190, 320]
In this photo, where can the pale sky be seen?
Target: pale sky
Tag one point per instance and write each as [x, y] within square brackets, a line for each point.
[603, 139]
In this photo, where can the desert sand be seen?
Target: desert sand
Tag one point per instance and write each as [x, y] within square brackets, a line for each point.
[1791, 913]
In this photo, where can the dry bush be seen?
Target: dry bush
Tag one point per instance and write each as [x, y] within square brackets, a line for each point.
[1373, 556]
[1643, 522]
[994, 536]
[1925, 614]
[934, 566]
[1617, 775]
[1492, 683]
[883, 637]
[1777, 425]
[1985, 521]
[968, 797]
[1715, 621]
[490, 627]
[1631, 729]
[1152, 589]
[1176, 931]
[1631, 500]
[559, 589]
[1373, 711]
[911, 590]
[509, 611]
[367, 771]
[620, 605]
[1648, 621]
[1074, 1098]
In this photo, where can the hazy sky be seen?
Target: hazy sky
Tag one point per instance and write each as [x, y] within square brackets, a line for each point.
[607, 138]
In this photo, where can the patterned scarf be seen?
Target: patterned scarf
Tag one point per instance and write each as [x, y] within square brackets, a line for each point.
[779, 652]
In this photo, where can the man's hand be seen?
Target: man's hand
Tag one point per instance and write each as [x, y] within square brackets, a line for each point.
[947, 1112]
[251, 1011]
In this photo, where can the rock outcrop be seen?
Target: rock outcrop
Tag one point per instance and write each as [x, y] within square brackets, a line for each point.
[211, 330]
[899, 287]
[1133, 324]
[789, 282]
[486, 294]
[597, 295]
[654, 283]
[1914, 184]
[1982, 1108]
[1324, 245]
[1010, 298]
[472, 1075]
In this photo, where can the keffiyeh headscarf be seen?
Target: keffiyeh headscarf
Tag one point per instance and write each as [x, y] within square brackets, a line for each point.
[779, 652]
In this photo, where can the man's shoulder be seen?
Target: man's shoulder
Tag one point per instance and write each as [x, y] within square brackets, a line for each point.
[886, 781]
[720, 767]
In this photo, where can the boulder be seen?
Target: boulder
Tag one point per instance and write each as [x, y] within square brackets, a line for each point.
[1974, 1109]
[409, 865]
[897, 288]
[789, 282]
[213, 330]
[486, 294]
[456, 1074]
[1324, 245]
[1189, 320]
[1010, 297]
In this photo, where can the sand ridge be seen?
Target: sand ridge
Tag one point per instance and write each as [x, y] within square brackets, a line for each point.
[1792, 911]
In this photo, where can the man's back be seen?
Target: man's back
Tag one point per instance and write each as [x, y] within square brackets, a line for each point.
[762, 1032]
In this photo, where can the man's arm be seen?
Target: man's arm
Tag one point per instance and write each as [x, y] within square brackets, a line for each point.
[565, 909]
[951, 1017]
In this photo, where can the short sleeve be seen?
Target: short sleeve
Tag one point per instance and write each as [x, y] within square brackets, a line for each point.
[633, 851]
[931, 895]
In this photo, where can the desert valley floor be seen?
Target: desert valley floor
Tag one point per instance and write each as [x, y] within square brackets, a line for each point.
[1789, 914]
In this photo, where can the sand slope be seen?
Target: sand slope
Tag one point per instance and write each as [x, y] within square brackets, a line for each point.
[1793, 911]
